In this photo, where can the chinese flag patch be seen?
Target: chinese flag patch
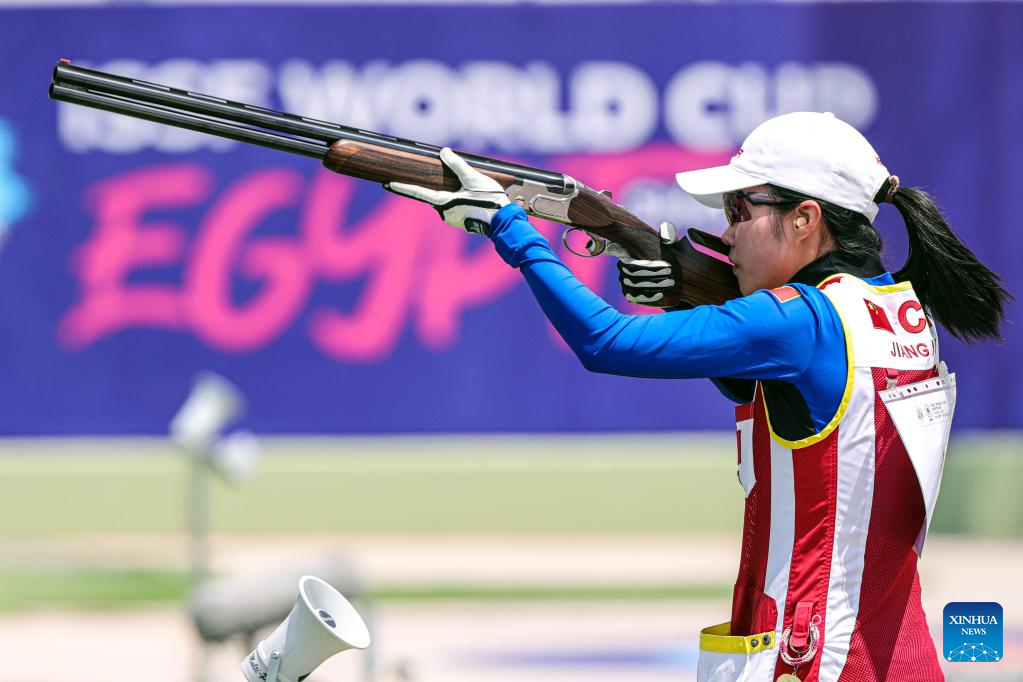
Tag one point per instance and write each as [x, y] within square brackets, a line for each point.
[785, 294]
[878, 317]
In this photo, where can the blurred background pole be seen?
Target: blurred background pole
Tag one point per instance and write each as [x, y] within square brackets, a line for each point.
[199, 517]
[198, 541]
[213, 403]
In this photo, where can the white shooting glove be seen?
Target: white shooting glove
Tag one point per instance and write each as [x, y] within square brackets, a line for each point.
[647, 281]
[472, 207]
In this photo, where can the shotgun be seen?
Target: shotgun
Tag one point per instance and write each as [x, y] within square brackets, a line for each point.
[706, 273]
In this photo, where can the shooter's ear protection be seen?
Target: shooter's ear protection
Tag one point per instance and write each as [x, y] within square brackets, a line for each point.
[801, 221]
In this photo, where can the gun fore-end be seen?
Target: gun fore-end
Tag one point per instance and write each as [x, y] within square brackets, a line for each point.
[382, 164]
[550, 201]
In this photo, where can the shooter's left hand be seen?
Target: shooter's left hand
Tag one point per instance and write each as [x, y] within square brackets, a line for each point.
[472, 207]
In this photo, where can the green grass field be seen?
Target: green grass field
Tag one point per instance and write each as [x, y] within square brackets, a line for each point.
[615, 486]
[366, 486]
[668, 484]
[115, 589]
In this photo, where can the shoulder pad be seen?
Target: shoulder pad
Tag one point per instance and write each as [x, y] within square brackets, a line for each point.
[829, 281]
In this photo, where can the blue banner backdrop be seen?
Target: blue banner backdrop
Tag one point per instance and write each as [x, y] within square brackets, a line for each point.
[136, 255]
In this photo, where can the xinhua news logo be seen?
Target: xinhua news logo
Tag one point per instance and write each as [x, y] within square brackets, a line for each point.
[972, 632]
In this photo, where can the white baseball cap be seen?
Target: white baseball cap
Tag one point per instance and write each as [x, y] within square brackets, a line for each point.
[808, 152]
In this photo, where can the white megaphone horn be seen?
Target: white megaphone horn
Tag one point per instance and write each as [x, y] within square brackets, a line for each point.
[213, 403]
[321, 624]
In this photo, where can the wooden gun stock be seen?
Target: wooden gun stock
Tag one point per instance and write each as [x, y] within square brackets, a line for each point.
[712, 281]
[705, 279]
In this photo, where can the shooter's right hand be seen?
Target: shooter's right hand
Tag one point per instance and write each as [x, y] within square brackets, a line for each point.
[647, 282]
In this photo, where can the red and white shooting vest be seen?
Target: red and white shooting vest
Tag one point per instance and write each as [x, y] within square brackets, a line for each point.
[834, 522]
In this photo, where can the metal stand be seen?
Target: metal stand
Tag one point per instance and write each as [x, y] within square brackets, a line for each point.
[199, 530]
[199, 516]
[212, 404]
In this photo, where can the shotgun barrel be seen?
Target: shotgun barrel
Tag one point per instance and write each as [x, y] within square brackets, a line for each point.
[218, 116]
[182, 119]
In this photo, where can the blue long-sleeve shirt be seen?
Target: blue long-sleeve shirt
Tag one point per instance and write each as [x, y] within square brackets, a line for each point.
[797, 343]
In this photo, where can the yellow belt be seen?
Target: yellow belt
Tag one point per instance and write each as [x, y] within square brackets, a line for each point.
[717, 639]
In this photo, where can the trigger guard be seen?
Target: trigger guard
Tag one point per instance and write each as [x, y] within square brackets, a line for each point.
[601, 243]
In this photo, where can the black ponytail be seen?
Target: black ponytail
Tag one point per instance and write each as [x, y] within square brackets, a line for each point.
[963, 294]
[959, 291]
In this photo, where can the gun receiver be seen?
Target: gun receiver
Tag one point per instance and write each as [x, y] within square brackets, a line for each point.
[382, 158]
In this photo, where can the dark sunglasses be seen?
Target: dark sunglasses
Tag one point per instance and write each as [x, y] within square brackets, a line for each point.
[735, 204]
